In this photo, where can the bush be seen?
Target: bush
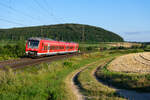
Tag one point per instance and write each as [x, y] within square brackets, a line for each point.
[8, 51]
[135, 47]
[67, 63]
[143, 46]
[89, 48]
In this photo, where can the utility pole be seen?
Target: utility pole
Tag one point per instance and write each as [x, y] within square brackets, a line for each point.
[41, 31]
[46, 31]
[83, 32]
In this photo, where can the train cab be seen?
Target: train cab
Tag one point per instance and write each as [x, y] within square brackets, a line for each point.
[32, 46]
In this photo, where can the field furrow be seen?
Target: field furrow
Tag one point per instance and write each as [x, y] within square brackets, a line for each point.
[135, 63]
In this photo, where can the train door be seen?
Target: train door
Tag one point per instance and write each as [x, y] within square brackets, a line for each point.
[48, 48]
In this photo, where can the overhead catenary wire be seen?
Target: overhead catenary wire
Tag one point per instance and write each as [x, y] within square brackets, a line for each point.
[12, 22]
[57, 19]
[71, 26]
[47, 12]
[41, 7]
[51, 12]
[18, 11]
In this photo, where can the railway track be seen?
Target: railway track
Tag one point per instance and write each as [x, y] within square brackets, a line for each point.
[20, 63]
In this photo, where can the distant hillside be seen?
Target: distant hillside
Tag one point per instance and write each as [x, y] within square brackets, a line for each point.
[65, 32]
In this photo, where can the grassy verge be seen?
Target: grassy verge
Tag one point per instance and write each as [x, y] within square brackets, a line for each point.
[132, 81]
[91, 88]
[45, 81]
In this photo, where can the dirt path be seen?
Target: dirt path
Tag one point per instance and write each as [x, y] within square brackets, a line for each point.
[72, 82]
[75, 86]
[130, 95]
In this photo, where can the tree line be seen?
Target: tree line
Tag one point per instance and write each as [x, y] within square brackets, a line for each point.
[64, 32]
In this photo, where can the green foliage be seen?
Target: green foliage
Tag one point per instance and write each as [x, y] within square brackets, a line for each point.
[115, 48]
[89, 48]
[66, 32]
[125, 51]
[143, 46]
[135, 47]
[9, 51]
[67, 63]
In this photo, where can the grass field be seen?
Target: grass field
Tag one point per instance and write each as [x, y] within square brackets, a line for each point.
[41, 82]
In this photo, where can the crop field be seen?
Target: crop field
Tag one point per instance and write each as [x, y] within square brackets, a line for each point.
[135, 63]
[129, 72]
[123, 44]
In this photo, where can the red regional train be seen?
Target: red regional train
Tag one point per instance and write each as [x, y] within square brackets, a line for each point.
[44, 47]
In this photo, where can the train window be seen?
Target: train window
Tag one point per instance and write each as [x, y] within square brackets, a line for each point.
[45, 48]
[67, 47]
[33, 44]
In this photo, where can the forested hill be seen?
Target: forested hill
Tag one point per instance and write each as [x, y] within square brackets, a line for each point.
[65, 32]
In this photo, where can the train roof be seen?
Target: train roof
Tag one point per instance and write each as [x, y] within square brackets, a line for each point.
[39, 38]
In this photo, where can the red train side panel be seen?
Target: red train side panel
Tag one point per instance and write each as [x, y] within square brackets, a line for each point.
[41, 47]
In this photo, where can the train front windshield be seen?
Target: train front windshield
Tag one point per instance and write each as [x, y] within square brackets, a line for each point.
[33, 44]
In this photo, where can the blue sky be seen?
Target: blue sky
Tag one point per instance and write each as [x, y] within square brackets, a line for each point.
[128, 18]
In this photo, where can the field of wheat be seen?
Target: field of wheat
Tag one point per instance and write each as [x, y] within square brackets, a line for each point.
[124, 44]
[131, 63]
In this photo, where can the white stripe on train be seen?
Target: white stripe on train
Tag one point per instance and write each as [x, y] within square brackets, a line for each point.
[53, 53]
